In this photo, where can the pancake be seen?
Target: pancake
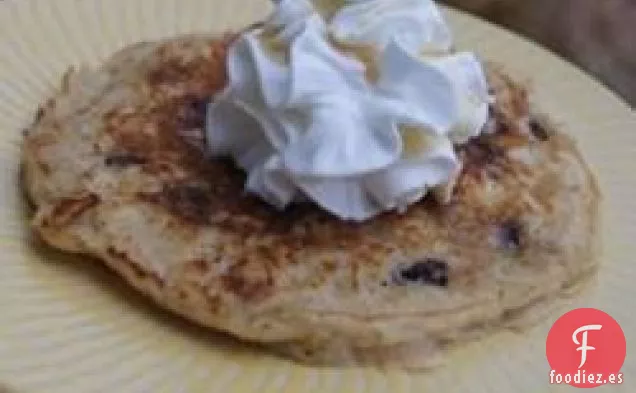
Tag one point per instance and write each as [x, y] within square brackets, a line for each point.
[116, 166]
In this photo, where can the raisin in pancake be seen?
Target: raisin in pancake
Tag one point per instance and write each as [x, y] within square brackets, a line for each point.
[115, 164]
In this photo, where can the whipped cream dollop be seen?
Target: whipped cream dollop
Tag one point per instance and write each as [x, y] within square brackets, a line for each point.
[306, 119]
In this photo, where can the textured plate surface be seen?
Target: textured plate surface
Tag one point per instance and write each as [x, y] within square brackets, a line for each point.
[67, 325]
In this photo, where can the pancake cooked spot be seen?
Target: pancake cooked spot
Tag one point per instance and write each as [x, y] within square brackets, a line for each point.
[190, 202]
[123, 160]
[538, 130]
[70, 208]
[250, 280]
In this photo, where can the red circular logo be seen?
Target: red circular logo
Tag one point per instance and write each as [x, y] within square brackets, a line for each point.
[586, 348]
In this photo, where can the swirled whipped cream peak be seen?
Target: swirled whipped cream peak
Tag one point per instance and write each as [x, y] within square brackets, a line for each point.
[306, 120]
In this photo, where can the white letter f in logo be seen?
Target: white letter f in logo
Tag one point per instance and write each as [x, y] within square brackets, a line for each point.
[584, 347]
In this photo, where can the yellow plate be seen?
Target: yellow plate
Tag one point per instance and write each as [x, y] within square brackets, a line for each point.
[67, 325]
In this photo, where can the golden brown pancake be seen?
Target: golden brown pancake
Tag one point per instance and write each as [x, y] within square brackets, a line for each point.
[115, 163]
